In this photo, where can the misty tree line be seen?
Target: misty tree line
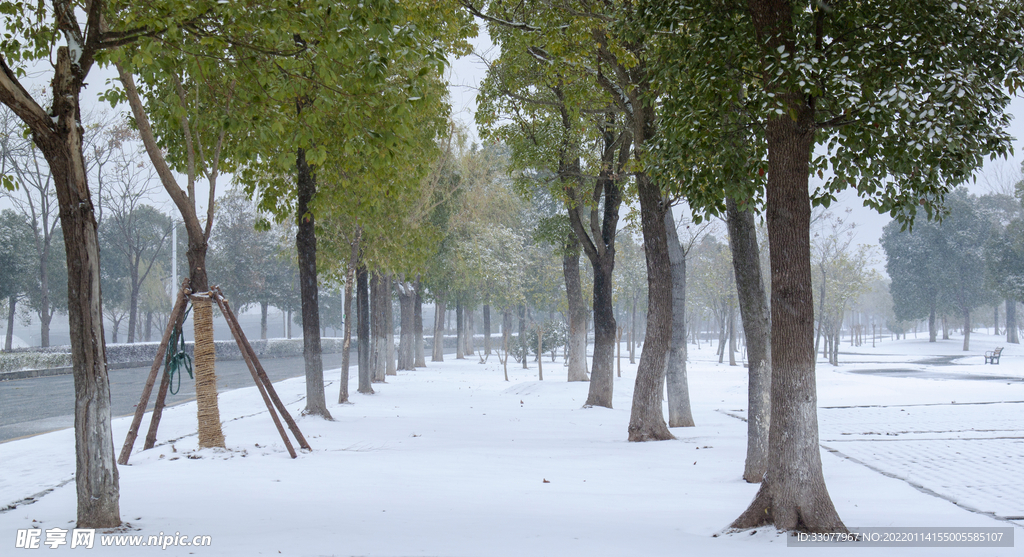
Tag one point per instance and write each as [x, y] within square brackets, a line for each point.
[944, 271]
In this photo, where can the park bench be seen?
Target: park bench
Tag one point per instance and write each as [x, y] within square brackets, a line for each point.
[992, 356]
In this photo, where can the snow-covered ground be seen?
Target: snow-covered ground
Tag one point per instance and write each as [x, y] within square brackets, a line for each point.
[452, 460]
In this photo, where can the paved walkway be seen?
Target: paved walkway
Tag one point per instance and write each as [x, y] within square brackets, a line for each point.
[969, 454]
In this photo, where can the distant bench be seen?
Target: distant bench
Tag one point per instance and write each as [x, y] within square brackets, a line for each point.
[992, 356]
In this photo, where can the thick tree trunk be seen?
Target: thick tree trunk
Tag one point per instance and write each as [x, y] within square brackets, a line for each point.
[363, 307]
[967, 330]
[264, 306]
[378, 328]
[1011, 322]
[305, 243]
[417, 325]
[646, 419]
[96, 476]
[746, 263]
[793, 494]
[487, 329]
[577, 357]
[438, 354]
[679, 414]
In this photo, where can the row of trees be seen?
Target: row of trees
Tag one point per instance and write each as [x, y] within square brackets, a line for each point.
[331, 114]
[969, 259]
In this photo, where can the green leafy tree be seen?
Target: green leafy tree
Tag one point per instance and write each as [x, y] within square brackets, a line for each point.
[16, 264]
[904, 101]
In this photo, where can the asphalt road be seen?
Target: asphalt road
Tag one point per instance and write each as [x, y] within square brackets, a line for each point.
[41, 404]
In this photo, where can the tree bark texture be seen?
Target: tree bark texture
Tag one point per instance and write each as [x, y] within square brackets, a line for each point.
[679, 414]
[305, 243]
[646, 418]
[460, 331]
[746, 264]
[793, 494]
[363, 303]
[58, 134]
[577, 357]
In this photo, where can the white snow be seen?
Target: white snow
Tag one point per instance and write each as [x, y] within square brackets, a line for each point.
[451, 460]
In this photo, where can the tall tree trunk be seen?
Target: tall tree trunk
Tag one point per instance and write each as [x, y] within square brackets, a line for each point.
[995, 321]
[438, 354]
[646, 419]
[460, 331]
[487, 329]
[577, 311]
[346, 344]
[149, 325]
[679, 414]
[406, 301]
[419, 359]
[389, 324]
[379, 305]
[967, 330]
[305, 243]
[746, 264]
[12, 302]
[60, 140]
[264, 306]
[1011, 322]
[363, 307]
[793, 494]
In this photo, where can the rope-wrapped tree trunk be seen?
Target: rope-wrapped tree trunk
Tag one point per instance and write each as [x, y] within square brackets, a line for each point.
[210, 434]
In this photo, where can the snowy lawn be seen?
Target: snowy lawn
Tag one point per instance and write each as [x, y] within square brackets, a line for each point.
[452, 460]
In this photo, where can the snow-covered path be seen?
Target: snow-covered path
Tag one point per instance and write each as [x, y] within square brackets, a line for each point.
[452, 460]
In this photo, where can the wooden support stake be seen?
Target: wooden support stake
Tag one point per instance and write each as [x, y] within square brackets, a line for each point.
[140, 410]
[237, 333]
[263, 376]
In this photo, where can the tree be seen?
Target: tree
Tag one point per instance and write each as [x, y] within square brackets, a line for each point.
[16, 264]
[137, 231]
[905, 99]
[35, 32]
[755, 313]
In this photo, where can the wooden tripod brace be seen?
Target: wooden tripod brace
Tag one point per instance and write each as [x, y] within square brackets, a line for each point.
[259, 376]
